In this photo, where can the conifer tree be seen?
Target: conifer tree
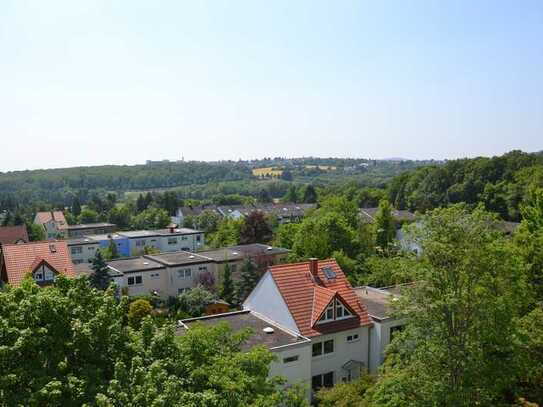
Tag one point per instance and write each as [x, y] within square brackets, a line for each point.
[227, 288]
[100, 278]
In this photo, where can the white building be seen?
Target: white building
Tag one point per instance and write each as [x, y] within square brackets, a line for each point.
[314, 302]
[378, 303]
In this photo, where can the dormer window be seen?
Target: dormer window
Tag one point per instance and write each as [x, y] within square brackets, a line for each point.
[336, 310]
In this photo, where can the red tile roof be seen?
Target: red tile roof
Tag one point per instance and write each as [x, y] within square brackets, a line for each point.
[13, 234]
[57, 216]
[21, 259]
[307, 298]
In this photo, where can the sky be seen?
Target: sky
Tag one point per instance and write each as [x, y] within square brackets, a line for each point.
[121, 82]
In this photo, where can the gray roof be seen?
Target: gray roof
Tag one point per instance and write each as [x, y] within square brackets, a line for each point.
[92, 225]
[177, 231]
[133, 264]
[256, 249]
[138, 233]
[376, 301]
[247, 319]
[81, 240]
[178, 258]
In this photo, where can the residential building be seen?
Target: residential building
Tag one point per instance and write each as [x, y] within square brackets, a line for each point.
[133, 243]
[43, 260]
[170, 274]
[54, 224]
[378, 303]
[13, 234]
[83, 249]
[283, 212]
[75, 231]
[327, 326]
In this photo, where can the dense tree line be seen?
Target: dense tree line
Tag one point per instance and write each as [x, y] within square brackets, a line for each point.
[499, 183]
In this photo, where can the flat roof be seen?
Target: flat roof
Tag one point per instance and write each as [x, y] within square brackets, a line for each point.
[81, 241]
[133, 264]
[138, 233]
[377, 301]
[92, 225]
[246, 319]
[178, 258]
[106, 236]
[177, 231]
[223, 254]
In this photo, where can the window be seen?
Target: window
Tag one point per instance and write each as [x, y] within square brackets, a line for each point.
[135, 280]
[172, 240]
[184, 273]
[77, 250]
[352, 338]
[198, 238]
[336, 310]
[77, 261]
[184, 238]
[140, 243]
[90, 248]
[38, 276]
[154, 275]
[202, 268]
[49, 275]
[323, 348]
[233, 268]
[182, 290]
[320, 380]
[291, 359]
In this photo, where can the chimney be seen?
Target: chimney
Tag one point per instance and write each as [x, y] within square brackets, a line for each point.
[314, 266]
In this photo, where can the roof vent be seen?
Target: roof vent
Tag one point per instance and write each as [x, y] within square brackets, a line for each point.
[235, 253]
[145, 263]
[269, 248]
[191, 256]
[269, 330]
[52, 248]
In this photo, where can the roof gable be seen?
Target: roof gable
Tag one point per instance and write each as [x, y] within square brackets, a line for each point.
[307, 297]
[21, 259]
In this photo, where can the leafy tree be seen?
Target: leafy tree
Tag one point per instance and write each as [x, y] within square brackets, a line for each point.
[149, 250]
[152, 218]
[285, 235]
[291, 195]
[99, 278]
[137, 311]
[36, 232]
[255, 229]
[346, 394]
[385, 225]
[207, 221]
[531, 355]
[227, 286]
[227, 234]
[59, 345]
[310, 194]
[320, 236]
[529, 238]
[248, 279]
[459, 344]
[88, 216]
[286, 175]
[121, 216]
[341, 206]
[113, 250]
[195, 301]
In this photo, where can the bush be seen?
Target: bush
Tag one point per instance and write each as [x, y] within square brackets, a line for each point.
[138, 310]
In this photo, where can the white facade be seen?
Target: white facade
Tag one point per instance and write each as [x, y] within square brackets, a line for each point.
[83, 252]
[380, 337]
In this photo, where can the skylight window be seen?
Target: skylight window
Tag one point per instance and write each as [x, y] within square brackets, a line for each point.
[329, 273]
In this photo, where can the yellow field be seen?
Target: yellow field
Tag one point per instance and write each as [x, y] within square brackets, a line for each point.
[266, 172]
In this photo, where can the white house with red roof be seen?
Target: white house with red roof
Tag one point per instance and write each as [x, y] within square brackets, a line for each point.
[43, 260]
[315, 302]
[315, 299]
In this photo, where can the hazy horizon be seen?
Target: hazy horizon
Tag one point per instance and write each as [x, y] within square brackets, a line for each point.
[115, 83]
